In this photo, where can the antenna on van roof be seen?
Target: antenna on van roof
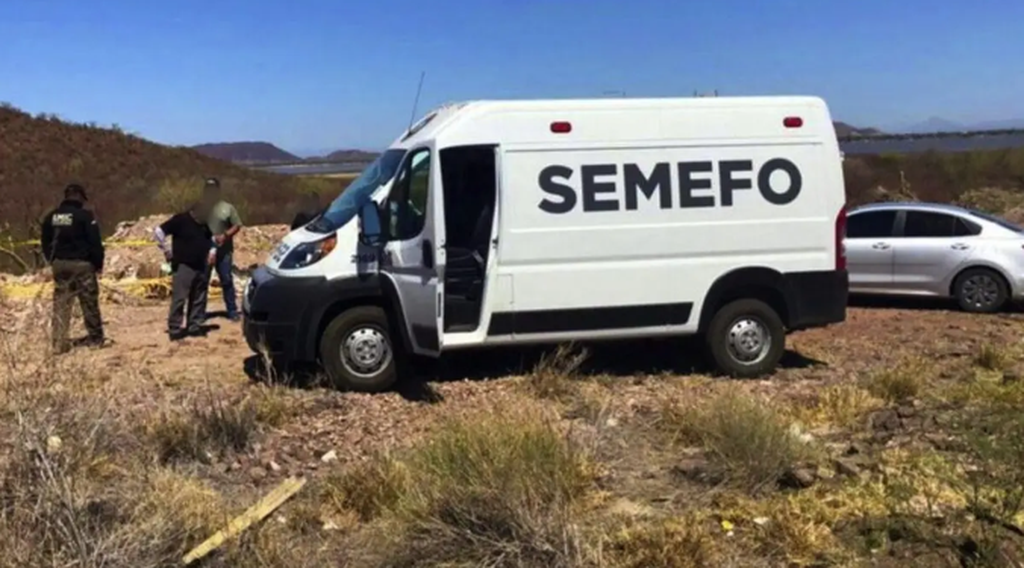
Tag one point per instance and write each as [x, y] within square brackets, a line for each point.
[416, 101]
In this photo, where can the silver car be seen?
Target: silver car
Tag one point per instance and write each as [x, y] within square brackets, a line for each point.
[929, 249]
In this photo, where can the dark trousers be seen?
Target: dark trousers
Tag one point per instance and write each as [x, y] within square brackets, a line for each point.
[75, 279]
[188, 288]
[223, 267]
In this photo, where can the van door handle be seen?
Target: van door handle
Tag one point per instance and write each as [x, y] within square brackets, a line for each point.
[960, 246]
[880, 246]
[428, 253]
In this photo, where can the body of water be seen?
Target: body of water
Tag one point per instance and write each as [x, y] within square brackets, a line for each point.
[317, 169]
[939, 144]
[868, 146]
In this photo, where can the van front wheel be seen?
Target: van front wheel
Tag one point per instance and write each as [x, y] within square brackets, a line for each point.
[357, 351]
[746, 339]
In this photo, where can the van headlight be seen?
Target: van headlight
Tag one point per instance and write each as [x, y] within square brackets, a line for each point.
[306, 254]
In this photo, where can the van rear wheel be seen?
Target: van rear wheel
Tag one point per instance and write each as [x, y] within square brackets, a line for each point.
[746, 339]
[357, 351]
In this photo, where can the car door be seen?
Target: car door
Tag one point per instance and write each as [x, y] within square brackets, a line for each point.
[869, 255]
[413, 256]
[929, 249]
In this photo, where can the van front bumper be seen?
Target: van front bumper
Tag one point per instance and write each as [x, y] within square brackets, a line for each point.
[276, 316]
[283, 316]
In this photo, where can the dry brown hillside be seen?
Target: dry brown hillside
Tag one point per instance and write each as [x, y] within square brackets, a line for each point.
[127, 176]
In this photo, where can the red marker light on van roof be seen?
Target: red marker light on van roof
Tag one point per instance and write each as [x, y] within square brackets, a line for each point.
[793, 122]
[561, 127]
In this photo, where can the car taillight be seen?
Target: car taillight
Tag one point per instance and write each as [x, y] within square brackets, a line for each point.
[840, 236]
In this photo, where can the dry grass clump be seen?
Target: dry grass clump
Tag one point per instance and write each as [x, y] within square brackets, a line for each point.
[683, 542]
[993, 358]
[493, 490]
[556, 375]
[748, 439]
[840, 405]
[211, 427]
[902, 382]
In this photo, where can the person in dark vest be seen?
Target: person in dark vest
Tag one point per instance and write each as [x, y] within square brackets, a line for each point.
[72, 246]
[309, 211]
[191, 253]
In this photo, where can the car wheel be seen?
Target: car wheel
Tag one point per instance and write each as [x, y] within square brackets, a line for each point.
[981, 290]
[357, 351]
[746, 339]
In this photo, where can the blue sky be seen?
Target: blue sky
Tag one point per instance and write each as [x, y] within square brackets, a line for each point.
[317, 74]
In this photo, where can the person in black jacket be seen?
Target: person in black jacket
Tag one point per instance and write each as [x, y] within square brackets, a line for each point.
[191, 253]
[72, 245]
[310, 210]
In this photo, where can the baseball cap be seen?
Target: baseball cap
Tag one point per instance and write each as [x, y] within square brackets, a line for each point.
[74, 189]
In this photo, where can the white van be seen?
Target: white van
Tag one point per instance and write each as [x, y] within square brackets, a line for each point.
[513, 222]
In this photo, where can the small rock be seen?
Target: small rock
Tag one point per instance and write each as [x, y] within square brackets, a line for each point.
[691, 468]
[329, 457]
[235, 466]
[824, 473]
[330, 526]
[760, 521]
[257, 473]
[906, 411]
[272, 466]
[856, 448]
[846, 466]
[798, 478]
[54, 444]
[886, 421]
[612, 422]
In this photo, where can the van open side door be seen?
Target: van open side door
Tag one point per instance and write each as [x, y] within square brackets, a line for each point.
[413, 256]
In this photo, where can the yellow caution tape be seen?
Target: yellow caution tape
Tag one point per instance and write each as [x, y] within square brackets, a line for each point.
[109, 243]
[148, 288]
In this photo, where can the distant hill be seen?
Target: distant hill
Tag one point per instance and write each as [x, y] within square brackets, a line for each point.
[246, 152]
[844, 130]
[126, 176]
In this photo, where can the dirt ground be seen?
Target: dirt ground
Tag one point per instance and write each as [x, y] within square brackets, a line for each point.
[619, 398]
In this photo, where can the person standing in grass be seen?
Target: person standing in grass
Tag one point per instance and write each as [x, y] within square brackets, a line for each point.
[224, 223]
[309, 211]
[72, 246]
[191, 253]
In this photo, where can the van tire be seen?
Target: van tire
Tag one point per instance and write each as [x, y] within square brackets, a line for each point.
[967, 284]
[372, 323]
[759, 318]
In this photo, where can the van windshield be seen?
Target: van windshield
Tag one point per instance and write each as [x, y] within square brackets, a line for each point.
[347, 205]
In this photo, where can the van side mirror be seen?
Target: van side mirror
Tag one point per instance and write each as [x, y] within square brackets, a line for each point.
[370, 229]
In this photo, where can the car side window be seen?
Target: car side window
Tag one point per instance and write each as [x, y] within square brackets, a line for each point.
[870, 225]
[928, 224]
[965, 228]
[407, 202]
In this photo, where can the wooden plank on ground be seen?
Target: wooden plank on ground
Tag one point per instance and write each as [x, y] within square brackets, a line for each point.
[252, 515]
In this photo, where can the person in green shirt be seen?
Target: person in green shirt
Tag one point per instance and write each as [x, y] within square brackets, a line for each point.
[224, 223]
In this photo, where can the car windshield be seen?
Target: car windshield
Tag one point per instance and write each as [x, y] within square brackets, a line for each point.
[346, 206]
[998, 221]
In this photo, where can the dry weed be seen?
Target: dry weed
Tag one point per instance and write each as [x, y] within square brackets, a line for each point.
[556, 375]
[993, 358]
[684, 542]
[747, 438]
[901, 382]
[839, 405]
[494, 490]
[212, 427]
